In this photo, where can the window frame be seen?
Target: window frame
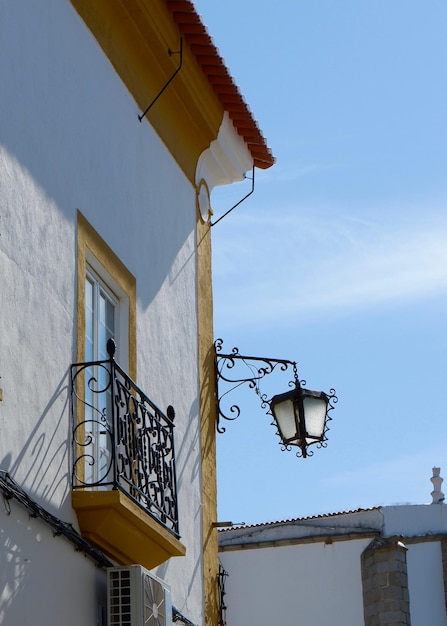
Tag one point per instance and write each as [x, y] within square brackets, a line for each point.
[94, 253]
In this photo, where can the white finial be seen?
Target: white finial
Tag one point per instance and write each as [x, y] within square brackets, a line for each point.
[436, 479]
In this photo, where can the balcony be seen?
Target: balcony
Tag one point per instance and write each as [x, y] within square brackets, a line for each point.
[123, 474]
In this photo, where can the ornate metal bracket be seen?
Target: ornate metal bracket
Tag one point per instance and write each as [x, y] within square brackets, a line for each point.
[230, 377]
[259, 367]
[170, 52]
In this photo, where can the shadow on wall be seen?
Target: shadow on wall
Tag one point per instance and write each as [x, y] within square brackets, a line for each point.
[30, 563]
[13, 570]
[187, 449]
[85, 147]
[45, 453]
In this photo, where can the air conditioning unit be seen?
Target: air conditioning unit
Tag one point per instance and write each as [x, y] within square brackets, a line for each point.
[135, 597]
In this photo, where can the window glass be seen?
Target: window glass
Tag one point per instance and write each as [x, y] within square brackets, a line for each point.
[101, 309]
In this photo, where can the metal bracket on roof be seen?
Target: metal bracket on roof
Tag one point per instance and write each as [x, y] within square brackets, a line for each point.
[170, 52]
[240, 201]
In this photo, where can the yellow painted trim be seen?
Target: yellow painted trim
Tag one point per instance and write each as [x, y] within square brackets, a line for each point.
[207, 421]
[122, 530]
[88, 239]
[136, 36]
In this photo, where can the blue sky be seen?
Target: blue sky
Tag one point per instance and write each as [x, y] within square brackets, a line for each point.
[339, 259]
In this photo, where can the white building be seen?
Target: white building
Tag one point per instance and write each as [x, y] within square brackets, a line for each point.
[385, 566]
[105, 233]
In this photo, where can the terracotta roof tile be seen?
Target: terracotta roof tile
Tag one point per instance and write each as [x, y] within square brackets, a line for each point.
[213, 66]
[299, 519]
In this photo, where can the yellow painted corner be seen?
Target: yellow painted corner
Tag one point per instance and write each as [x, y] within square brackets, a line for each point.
[207, 423]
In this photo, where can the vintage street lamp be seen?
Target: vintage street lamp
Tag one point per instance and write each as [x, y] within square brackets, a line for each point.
[300, 415]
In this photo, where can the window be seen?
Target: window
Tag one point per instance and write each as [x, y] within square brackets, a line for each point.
[106, 314]
[101, 307]
[101, 312]
[103, 284]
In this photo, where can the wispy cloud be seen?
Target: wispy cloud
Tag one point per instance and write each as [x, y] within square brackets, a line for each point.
[295, 171]
[300, 263]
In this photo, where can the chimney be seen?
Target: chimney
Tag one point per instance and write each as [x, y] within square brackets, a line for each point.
[436, 494]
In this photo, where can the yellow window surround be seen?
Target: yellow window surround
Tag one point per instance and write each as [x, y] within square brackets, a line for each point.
[90, 244]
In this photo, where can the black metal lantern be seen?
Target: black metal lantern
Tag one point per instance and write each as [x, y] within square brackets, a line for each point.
[300, 415]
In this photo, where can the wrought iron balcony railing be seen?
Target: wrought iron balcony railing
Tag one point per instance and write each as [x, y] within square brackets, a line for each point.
[121, 440]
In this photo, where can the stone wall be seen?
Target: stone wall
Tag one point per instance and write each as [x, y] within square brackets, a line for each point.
[385, 584]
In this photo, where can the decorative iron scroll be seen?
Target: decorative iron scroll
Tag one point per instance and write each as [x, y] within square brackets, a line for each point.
[254, 369]
[221, 576]
[121, 439]
[227, 373]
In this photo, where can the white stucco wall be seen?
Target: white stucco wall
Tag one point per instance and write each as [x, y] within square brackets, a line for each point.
[70, 139]
[42, 579]
[426, 584]
[416, 519]
[320, 583]
[312, 584]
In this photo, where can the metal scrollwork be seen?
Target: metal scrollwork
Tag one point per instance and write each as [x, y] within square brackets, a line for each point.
[258, 367]
[221, 576]
[234, 370]
[122, 440]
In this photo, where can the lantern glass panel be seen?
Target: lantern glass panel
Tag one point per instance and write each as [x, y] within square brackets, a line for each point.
[315, 408]
[285, 418]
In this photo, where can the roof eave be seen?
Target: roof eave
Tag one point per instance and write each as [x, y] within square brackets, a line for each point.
[213, 66]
